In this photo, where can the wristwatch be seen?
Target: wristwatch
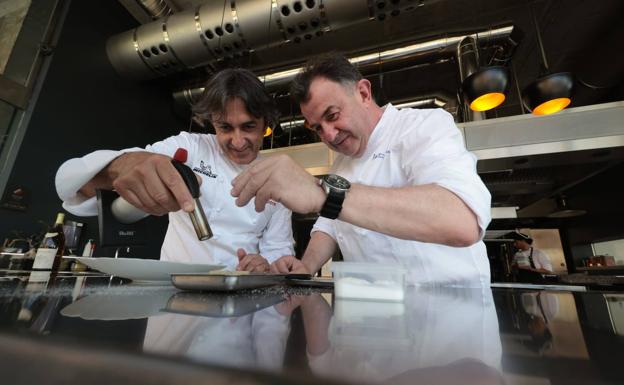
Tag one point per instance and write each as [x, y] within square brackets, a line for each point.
[336, 188]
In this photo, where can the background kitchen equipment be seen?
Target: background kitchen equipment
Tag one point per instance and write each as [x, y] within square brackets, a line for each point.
[73, 230]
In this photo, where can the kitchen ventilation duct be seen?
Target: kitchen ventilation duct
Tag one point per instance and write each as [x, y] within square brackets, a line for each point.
[226, 29]
[420, 52]
[157, 8]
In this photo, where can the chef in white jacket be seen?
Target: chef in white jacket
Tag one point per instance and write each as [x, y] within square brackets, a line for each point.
[239, 108]
[402, 189]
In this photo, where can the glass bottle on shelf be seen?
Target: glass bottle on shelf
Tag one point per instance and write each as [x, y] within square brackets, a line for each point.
[50, 250]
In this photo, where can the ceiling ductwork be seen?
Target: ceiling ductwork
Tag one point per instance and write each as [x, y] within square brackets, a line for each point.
[146, 11]
[157, 8]
[428, 102]
[411, 54]
[232, 29]
[226, 29]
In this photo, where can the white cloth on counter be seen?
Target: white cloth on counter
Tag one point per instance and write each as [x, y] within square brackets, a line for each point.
[435, 329]
[253, 341]
[268, 233]
[408, 148]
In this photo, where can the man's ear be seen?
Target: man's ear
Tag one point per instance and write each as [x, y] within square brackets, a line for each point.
[363, 89]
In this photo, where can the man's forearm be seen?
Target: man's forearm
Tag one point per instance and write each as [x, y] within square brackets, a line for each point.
[427, 213]
[104, 179]
[320, 250]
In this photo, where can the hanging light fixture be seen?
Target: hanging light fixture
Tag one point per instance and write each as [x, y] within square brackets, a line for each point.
[483, 88]
[551, 92]
[486, 88]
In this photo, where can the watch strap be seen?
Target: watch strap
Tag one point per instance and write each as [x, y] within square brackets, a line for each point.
[333, 204]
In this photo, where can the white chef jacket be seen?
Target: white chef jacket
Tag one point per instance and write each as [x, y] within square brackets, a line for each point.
[268, 233]
[408, 148]
[540, 259]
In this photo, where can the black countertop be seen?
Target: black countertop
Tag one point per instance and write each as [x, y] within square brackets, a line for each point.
[96, 330]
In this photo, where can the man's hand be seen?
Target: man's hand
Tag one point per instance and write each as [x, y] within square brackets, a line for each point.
[147, 181]
[280, 179]
[289, 264]
[254, 263]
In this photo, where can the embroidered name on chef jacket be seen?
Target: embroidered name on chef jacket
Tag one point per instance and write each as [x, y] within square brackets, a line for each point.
[381, 155]
[206, 170]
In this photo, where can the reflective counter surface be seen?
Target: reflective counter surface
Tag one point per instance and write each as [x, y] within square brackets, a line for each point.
[95, 329]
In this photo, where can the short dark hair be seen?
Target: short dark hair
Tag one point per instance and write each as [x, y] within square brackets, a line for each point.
[332, 66]
[233, 83]
[518, 236]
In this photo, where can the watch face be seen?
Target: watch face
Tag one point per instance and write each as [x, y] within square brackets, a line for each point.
[337, 181]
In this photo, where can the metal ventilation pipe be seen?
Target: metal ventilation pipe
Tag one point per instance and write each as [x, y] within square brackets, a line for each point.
[157, 8]
[433, 102]
[410, 54]
[468, 62]
[428, 102]
[225, 29]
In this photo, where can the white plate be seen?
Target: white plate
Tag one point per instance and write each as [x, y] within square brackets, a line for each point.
[149, 270]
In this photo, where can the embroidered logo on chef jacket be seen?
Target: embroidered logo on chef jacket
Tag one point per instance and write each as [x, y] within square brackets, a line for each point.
[381, 155]
[206, 170]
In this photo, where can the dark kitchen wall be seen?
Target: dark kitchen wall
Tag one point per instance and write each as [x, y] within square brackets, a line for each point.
[83, 106]
[602, 198]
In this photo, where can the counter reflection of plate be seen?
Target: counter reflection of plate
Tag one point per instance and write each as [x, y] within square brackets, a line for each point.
[220, 305]
[119, 305]
[138, 269]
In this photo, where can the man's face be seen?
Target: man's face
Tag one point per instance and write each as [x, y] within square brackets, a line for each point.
[338, 114]
[239, 134]
[521, 245]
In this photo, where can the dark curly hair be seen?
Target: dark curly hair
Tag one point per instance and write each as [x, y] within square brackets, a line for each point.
[233, 83]
[332, 66]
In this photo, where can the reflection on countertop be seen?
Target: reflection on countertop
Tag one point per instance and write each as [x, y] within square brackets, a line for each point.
[436, 336]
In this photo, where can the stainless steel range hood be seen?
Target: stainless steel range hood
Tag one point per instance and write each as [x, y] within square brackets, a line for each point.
[580, 128]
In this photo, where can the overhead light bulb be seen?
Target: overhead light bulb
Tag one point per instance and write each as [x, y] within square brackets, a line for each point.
[552, 106]
[487, 101]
